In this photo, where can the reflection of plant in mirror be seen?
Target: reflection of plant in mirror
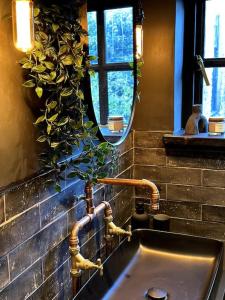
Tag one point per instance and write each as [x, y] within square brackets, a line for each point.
[139, 64]
[55, 68]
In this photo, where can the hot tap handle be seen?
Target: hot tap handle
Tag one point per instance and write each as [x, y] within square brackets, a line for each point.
[99, 263]
[130, 231]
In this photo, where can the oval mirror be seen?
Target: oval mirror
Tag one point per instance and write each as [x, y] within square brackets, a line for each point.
[113, 82]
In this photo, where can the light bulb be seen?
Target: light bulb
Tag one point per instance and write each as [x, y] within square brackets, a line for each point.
[139, 41]
[23, 26]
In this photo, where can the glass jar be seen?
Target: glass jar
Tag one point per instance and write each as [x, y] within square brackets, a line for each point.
[115, 123]
[216, 126]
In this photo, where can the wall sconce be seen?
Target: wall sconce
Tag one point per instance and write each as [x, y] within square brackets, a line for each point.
[139, 31]
[23, 26]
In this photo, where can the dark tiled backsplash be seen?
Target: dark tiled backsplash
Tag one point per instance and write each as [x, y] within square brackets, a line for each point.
[191, 183]
[35, 223]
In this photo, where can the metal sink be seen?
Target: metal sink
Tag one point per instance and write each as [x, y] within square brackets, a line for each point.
[186, 267]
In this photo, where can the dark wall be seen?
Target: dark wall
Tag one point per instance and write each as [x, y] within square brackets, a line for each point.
[35, 224]
[191, 182]
[155, 110]
[17, 145]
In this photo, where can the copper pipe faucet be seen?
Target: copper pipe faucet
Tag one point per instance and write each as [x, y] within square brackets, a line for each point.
[143, 183]
[78, 262]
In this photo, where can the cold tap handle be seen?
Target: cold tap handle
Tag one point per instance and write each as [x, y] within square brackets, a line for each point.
[129, 229]
[99, 263]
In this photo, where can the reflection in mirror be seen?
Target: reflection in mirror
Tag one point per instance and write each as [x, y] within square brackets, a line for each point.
[112, 86]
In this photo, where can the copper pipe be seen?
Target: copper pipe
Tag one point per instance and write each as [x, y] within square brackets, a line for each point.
[89, 197]
[143, 183]
[74, 240]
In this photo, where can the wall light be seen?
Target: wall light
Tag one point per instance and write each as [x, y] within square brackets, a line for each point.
[139, 41]
[139, 30]
[23, 26]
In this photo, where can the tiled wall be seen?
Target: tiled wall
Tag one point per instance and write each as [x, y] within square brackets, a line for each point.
[35, 225]
[191, 183]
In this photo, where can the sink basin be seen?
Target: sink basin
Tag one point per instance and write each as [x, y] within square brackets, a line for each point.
[186, 267]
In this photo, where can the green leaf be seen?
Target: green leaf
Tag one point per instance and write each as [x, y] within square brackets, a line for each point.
[40, 119]
[63, 49]
[27, 65]
[60, 78]
[67, 36]
[49, 128]
[58, 188]
[36, 11]
[53, 118]
[66, 92]
[63, 121]
[55, 144]
[91, 57]
[42, 138]
[39, 68]
[72, 174]
[68, 60]
[87, 148]
[39, 91]
[45, 77]
[88, 124]
[49, 65]
[38, 45]
[29, 84]
[23, 60]
[80, 94]
[78, 61]
[53, 75]
[91, 72]
[103, 146]
[52, 105]
[55, 27]
[43, 35]
[40, 55]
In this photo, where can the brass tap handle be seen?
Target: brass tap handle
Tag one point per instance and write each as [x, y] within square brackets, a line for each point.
[99, 263]
[129, 229]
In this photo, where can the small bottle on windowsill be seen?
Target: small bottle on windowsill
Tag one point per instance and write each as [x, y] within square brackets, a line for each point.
[216, 126]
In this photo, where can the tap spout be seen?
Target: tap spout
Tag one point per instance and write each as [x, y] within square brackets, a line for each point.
[143, 183]
[115, 230]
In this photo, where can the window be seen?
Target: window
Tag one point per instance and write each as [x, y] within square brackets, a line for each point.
[110, 33]
[205, 24]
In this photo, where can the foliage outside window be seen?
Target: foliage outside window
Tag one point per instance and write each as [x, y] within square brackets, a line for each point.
[56, 68]
[210, 33]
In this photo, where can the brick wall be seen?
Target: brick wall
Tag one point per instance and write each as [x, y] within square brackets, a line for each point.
[191, 183]
[35, 225]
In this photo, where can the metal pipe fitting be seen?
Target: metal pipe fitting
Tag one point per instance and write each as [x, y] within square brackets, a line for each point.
[143, 183]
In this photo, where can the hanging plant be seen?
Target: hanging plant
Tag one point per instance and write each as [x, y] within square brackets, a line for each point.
[55, 69]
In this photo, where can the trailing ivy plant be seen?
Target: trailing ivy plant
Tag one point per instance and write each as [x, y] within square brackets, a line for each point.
[55, 68]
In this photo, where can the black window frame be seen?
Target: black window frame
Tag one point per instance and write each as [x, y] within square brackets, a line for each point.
[102, 67]
[194, 42]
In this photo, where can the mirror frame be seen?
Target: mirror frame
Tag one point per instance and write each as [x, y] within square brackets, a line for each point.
[113, 4]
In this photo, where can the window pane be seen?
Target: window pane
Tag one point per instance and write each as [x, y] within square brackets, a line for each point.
[120, 94]
[92, 32]
[95, 95]
[214, 95]
[215, 29]
[119, 35]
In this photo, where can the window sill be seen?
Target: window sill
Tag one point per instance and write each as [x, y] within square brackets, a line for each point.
[202, 140]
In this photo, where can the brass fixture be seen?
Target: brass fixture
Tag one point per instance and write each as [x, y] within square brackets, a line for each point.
[78, 262]
[89, 197]
[143, 183]
[111, 229]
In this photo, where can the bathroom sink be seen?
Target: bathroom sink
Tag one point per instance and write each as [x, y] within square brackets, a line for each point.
[181, 266]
